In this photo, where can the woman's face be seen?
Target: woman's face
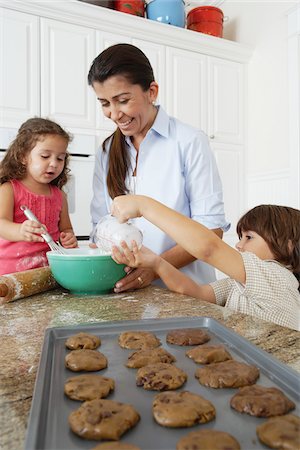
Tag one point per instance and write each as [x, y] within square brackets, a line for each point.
[127, 104]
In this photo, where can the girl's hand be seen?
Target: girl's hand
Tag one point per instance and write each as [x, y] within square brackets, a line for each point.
[31, 231]
[126, 207]
[68, 239]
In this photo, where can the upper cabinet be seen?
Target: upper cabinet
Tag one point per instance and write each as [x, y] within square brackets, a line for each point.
[226, 102]
[66, 54]
[20, 67]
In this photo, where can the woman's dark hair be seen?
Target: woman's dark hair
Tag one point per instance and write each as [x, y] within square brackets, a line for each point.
[30, 132]
[279, 226]
[131, 63]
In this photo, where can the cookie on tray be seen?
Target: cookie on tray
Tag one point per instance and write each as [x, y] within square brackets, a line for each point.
[88, 387]
[207, 354]
[261, 401]
[116, 445]
[87, 360]
[103, 419]
[82, 340]
[281, 432]
[160, 377]
[227, 374]
[181, 409]
[138, 340]
[187, 336]
[208, 440]
[149, 356]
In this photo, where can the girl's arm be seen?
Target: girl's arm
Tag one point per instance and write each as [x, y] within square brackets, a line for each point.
[67, 236]
[174, 279]
[195, 238]
[29, 230]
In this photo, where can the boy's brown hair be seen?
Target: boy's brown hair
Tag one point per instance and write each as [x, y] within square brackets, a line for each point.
[279, 226]
[30, 132]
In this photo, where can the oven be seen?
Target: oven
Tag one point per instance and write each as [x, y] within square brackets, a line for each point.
[79, 187]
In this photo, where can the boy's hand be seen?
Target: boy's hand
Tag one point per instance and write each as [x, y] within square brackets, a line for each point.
[31, 231]
[126, 207]
[68, 239]
[144, 257]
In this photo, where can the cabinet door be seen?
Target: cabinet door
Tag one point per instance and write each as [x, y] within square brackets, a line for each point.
[19, 62]
[67, 51]
[186, 79]
[156, 55]
[226, 101]
[230, 164]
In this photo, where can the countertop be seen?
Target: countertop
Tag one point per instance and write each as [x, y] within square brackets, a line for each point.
[23, 323]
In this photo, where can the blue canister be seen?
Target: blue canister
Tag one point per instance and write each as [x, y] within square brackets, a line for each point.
[167, 11]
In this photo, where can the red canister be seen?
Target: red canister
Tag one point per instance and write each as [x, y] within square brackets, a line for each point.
[206, 19]
[135, 7]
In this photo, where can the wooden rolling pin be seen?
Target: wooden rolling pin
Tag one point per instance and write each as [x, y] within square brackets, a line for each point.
[23, 284]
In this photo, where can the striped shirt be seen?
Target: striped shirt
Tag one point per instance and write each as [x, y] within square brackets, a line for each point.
[270, 292]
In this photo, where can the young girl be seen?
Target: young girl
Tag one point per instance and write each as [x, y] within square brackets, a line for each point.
[263, 273]
[32, 173]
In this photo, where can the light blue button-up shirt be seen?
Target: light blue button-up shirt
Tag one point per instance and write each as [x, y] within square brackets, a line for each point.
[176, 167]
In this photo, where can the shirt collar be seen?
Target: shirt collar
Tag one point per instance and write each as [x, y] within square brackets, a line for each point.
[161, 122]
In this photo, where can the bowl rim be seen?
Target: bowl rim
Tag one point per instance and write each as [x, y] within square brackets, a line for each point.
[59, 256]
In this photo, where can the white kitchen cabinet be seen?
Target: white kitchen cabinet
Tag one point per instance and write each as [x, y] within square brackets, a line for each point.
[225, 101]
[186, 73]
[66, 54]
[20, 68]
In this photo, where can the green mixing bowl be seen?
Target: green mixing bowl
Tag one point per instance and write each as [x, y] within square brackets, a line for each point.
[85, 271]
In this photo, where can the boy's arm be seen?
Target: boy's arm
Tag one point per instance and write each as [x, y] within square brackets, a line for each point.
[195, 238]
[178, 282]
[29, 230]
[174, 279]
[67, 236]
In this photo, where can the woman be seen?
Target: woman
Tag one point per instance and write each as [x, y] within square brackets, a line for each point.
[152, 154]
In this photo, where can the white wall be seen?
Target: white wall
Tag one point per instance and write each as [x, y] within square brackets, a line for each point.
[263, 24]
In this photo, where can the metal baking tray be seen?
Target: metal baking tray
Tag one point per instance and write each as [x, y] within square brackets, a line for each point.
[48, 422]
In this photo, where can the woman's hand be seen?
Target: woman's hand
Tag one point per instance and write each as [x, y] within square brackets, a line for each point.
[144, 262]
[68, 239]
[126, 207]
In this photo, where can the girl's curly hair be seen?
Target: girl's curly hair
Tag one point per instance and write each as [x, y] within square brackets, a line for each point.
[30, 132]
[279, 226]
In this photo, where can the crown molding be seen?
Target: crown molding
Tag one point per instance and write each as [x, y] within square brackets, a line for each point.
[106, 20]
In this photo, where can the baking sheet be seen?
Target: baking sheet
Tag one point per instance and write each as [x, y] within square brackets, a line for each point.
[48, 422]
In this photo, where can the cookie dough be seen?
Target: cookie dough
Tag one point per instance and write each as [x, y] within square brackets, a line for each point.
[281, 432]
[207, 354]
[88, 387]
[138, 340]
[187, 336]
[208, 440]
[82, 340]
[160, 377]
[103, 419]
[261, 401]
[181, 409]
[87, 360]
[149, 356]
[115, 446]
[228, 374]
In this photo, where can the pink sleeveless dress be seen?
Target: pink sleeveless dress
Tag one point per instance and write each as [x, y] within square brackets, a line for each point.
[19, 256]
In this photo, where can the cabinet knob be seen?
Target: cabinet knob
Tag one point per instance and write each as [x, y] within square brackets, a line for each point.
[212, 136]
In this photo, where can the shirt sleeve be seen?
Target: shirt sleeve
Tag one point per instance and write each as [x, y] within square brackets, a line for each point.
[98, 206]
[222, 289]
[203, 184]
